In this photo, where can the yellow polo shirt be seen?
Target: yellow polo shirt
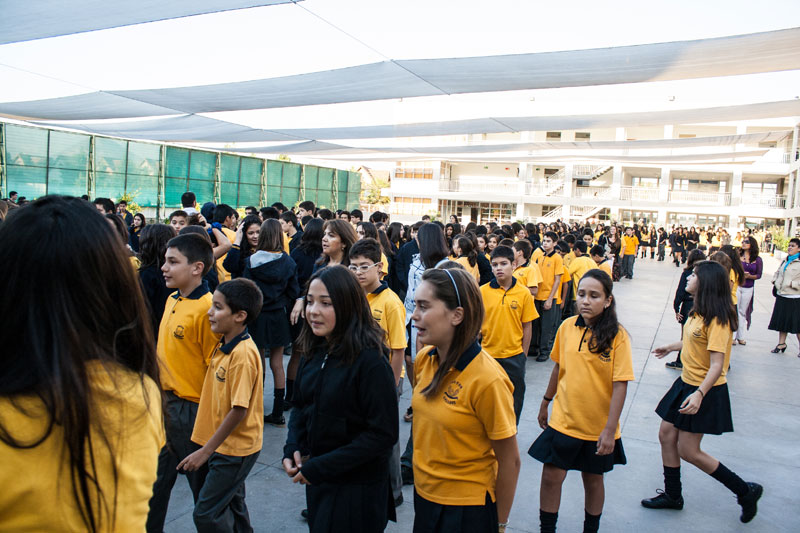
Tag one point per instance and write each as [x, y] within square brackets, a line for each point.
[37, 484]
[550, 266]
[568, 258]
[223, 274]
[529, 274]
[454, 463]
[579, 266]
[473, 270]
[699, 341]
[537, 254]
[185, 343]
[734, 286]
[234, 379]
[585, 380]
[605, 266]
[629, 245]
[390, 314]
[505, 314]
[565, 278]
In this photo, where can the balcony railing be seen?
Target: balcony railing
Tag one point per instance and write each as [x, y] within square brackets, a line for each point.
[764, 200]
[552, 187]
[488, 186]
[700, 197]
[641, 194]
[593, 192]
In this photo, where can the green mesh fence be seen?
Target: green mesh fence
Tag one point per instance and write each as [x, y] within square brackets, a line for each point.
[38, 161]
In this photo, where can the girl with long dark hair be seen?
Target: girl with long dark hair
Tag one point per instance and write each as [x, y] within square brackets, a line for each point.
[466, 256]
[152, 249]
[753, 267]
[345, 420]
[698, 402]
[588, 385]
[81, 425]
[466, 459]
[275, 273]
[139, 223]
[245, 244]
[683, 301]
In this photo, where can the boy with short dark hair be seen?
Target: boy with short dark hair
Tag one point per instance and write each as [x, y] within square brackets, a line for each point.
[288, 222]
[630, 247]
[306, 208]
[178, 220]
[598, 254]
[225, 218]
[524, 270]
[390, 314]
[189, 203]
[551, 267]
[509, 313]
[230, 418]
[356, 216]
[185, 345]
[577, 268]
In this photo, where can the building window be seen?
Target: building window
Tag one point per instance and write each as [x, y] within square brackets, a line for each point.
[404, 205]
[414, 170]
[582, 135]
[637, 181]
[553, 136]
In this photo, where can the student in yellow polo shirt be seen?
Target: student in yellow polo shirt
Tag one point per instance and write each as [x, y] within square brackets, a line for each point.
[630, 245]
[77, 366]
[185, 345]
[509, 312]
[466, 459]
[698, 401]
[390, 314]
[598, 255]
[525, 270]
[230, 419]
[551, 267]
[593, 364]
[579, 266]
[564, 295]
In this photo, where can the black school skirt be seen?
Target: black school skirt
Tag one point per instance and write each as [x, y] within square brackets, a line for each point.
[785, 315]
[352, 508]
[713, 417]
[431, 517]
[271, 328]
[568, 453]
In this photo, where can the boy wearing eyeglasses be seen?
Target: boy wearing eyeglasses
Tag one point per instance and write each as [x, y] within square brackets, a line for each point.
[390, 313]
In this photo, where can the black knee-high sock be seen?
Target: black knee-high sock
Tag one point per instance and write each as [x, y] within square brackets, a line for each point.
[734, 483]
[591, 522]
[289, 389]
[547, 522]
[672, 481]
[277, 405]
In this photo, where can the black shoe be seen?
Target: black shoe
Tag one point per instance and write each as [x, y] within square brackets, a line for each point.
[398, 501]
[674, 364]
[749, 501]
[275, 420]
[304, 513]
[663, 501]
[407, 474]
[532, 354]
[542, 358]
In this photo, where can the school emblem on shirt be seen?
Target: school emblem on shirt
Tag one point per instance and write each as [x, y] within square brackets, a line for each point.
[605, 356]
[451, 394]
[220, 374]
[698, 332]
[178, 333]
[514, 305]
[376, 314]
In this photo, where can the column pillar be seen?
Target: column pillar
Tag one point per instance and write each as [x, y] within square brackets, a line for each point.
[616, 181]
[736, 187]
[569, 176]
[664, 186]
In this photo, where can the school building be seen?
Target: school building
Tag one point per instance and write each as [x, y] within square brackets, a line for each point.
[690, 174]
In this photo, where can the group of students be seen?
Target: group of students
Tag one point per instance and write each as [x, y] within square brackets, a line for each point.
[172, 382]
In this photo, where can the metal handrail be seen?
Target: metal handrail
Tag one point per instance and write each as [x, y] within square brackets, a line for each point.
[719, 198]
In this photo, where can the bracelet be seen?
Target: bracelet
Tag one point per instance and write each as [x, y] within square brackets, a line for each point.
[701, 392]
[545, 398]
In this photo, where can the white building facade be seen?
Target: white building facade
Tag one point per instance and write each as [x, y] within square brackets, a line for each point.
[699, 176]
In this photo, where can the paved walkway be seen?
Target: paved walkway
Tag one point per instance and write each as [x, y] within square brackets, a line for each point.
[765, 446]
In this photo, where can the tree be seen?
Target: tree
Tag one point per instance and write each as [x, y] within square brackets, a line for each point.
[372, 194]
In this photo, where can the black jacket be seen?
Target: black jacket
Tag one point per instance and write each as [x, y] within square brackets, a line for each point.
[155, 291]
[305, 258]
[484, 269]
[683, 302]
[402, 263]
[276, 278]
[345, 418]
[235, 261]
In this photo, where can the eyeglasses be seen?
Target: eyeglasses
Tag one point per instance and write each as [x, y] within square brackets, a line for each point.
[361, 268]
